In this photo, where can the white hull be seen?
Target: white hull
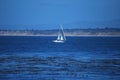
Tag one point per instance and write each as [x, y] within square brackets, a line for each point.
[59, 41]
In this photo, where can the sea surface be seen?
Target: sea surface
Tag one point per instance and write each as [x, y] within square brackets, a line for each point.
[79, 58]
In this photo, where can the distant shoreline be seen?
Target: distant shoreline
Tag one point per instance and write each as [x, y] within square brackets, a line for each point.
[66, 35]
[106, 32]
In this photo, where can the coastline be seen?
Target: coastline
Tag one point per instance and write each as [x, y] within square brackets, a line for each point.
[68, 32]
[67, 35]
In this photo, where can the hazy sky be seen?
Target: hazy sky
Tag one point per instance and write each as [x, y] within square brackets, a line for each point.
[48, 14]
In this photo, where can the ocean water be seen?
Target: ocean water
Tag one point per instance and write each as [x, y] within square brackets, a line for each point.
[79, 58]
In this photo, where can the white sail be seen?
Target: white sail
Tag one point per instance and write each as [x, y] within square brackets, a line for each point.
[62, 32]
[61, 36]
[58, 38]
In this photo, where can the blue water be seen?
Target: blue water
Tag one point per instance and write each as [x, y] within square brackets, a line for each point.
[79, 58]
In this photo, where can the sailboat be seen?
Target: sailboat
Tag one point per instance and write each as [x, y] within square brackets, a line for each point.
[61, 36]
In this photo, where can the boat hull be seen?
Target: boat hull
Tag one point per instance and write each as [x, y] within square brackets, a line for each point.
[59, 41]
